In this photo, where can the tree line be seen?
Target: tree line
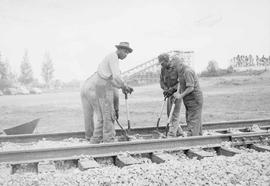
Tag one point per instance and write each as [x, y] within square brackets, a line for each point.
[250, 61]
[26, 77]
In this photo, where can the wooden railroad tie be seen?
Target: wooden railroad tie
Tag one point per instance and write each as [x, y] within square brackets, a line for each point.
[161, 157]
[260, 148]
[85, 164]
[125, 160]
[228, 151]
[46, 167]
[198, 153]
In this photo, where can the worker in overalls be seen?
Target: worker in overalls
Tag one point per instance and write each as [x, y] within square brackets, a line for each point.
[191, 94]
[99, 94]
[169, 83]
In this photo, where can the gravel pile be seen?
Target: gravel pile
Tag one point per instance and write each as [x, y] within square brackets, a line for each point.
[242, 169]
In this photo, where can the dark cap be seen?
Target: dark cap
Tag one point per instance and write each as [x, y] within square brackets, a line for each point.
[164, 57]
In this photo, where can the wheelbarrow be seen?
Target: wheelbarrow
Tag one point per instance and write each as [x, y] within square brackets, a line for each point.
[26, 128]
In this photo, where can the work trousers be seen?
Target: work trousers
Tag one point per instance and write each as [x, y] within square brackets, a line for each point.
[174, 126]
[194, 114]
[97, 97]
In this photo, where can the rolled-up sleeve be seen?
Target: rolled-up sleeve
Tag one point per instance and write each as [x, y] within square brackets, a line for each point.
[114, 66]
[161, 80]
[189, 78]
[115, 71]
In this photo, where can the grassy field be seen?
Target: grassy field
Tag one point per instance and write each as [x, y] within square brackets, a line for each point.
[225, 98]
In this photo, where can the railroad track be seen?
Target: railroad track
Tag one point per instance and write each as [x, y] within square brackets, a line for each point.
[155, 149]
[221, 127]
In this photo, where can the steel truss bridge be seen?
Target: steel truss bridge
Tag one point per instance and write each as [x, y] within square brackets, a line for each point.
[149, 71]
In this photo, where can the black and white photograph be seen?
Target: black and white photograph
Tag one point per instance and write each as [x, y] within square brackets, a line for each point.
[134, 92]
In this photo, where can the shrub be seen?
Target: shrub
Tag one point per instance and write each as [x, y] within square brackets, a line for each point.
[5, 83]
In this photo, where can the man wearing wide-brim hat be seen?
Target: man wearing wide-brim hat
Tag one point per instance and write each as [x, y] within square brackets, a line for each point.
[99, 94]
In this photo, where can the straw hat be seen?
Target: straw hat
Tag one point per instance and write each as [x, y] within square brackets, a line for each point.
[124, 45]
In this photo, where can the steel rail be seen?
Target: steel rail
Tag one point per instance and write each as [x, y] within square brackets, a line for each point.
[112, 149]
[239, 124]
[133, 147]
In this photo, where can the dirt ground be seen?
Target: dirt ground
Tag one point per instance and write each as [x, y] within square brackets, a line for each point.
[225, 98]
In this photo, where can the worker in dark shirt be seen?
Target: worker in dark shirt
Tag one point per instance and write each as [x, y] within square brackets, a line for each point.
[168, 82]
[191, 94]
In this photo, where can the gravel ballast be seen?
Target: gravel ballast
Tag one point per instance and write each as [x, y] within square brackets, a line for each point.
[242, 169]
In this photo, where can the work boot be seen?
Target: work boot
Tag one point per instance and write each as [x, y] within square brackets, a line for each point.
[180, 132]
[188, 133]
[172, 130]
[170, 135]
[110, 140]
[95, 140]
[176, 133]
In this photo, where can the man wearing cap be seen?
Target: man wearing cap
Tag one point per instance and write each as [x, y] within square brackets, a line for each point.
[168, 83]
[191, 94]
[99, 94]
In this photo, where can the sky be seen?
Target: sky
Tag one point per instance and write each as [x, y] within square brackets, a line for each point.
[78, 34]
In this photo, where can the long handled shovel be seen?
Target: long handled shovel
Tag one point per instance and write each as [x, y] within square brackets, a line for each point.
[157, 126]
[124, 131]
[162, 108]
[171, 112]
[170, 118]
[127, 110]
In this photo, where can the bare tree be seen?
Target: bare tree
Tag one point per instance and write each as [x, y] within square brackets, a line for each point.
[26, 75]
[47, 69]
